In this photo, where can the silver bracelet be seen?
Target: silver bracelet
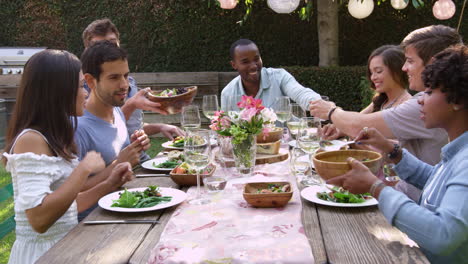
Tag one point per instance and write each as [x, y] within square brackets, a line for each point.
[375, 186]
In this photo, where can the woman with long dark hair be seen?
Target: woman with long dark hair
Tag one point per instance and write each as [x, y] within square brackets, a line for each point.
[387, 79]
[41, 155]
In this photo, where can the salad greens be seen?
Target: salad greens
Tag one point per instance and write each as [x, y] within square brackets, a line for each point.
[169, 164]
[151, 196]
[340, 195]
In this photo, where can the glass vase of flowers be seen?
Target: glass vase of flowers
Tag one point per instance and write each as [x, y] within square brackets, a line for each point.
[242, 127]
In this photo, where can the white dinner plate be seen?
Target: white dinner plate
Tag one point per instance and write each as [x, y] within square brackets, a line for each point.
[310, 193]
[168, 144]
[178, 196]
[149, 164]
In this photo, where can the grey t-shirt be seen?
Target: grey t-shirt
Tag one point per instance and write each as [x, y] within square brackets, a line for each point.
[93, 133]
[426, 144]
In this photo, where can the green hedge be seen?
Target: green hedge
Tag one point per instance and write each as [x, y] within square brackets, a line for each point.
[183, 35]
[347, 86]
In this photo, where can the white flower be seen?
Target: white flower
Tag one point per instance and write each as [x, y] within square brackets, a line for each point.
[234, 116]
[268, 115]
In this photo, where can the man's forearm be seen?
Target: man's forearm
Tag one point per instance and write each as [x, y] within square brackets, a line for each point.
[128, 108]
[351, 123]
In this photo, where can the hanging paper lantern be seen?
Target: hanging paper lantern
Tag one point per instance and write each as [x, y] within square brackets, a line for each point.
[399, 4]
[443, 9]
[228, 4]
[283, 6]
[360, 8]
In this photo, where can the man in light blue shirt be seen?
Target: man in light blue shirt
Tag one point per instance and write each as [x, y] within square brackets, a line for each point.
[261, 83]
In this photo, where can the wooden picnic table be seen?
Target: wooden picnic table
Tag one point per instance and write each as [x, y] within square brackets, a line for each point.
[336, 235]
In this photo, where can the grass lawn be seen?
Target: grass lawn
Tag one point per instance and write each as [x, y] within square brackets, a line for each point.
[6, 207]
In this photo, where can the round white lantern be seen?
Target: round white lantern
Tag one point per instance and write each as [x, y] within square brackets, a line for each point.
[283, 6]
[443, 9]
[228, 4]
[360, 8]
[399, 4]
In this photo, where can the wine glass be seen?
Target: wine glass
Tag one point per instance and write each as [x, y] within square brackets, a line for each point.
[197, 152]
[190, 119]
[282, 109]
[299, 163]
[210, 105]
[308, 137]
[294, 122]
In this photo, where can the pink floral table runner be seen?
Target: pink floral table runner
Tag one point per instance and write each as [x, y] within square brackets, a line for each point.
[229, 230]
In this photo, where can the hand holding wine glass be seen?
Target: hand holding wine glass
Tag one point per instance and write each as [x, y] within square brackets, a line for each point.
[197, 151]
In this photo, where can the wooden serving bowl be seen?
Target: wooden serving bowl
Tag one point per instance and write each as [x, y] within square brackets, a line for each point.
[266, 200]
[275, 134]
[189, 179]
[333, 163]
[174, 104]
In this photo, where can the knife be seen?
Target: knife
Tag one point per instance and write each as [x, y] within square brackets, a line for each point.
[99, 222]
[150, 175]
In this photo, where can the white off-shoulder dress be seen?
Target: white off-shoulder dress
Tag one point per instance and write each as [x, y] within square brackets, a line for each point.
[35, 176]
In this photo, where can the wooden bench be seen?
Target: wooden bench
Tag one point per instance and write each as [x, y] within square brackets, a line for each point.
[207, 82]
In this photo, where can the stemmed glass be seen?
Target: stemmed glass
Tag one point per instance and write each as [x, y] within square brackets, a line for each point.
[197, 151]
[210, 105]
[190, 119]
[308, 138]
[282, 109]
[294, 123]
[299, 163]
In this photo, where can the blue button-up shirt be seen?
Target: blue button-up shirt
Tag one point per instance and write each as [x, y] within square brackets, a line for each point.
[439, 223]
[273, 84]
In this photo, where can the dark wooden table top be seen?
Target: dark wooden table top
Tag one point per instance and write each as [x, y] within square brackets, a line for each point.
[336, 235]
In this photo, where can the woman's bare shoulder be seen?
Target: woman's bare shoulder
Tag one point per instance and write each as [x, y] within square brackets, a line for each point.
[32, 142]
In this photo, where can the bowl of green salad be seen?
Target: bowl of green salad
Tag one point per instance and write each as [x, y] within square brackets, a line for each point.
[174, 99]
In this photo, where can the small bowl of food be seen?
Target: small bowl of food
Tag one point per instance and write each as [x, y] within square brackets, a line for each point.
[274, 135]
[183, 175]
[268, 194]
[173, 100]
[334, 163]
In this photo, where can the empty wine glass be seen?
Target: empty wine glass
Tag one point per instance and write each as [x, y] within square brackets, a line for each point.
[197, 151]
[294, 122]
[190, 119]
[308, 138]
[231, 104]
[210, 105]
[282, 109]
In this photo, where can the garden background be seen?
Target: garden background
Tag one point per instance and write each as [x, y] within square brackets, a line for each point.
[194, 36]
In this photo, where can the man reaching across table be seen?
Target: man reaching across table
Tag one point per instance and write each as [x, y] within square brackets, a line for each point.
[104, 29]
[402, 122]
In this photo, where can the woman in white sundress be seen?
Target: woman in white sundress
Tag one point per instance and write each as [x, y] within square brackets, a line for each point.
[41, 155]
